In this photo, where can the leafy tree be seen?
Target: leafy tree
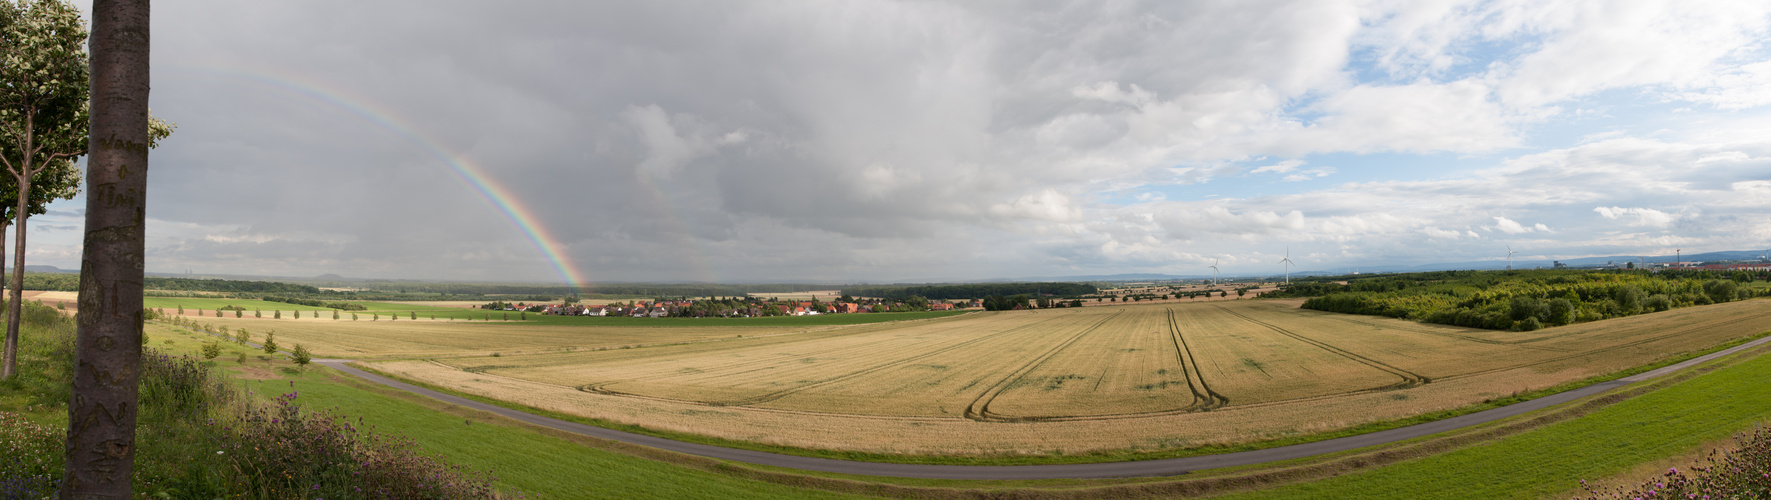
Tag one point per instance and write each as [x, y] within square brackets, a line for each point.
[239, 313]
[415, 315]
[277, 314]
[44, 94]
[181, 310]
[297, 313]
[242, 336]
[257, 313]
[353, 316]
[335, 314]
[270, 343]
[302, 357]
[211, 350]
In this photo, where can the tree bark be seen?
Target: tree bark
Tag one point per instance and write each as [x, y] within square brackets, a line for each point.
[102, 412]
[18, 267]
[9, 362]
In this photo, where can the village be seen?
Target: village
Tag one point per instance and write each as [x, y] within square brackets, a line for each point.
[735, 307]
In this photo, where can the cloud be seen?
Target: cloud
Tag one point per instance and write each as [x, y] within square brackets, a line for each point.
[1280, 168]
[862, 140]
[1640, 217]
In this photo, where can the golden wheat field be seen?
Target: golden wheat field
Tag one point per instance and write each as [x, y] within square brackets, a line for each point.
[1097, 378]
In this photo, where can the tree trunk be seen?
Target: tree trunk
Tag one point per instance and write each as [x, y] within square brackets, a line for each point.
[102, 412]
[18, 266]
[9, 359]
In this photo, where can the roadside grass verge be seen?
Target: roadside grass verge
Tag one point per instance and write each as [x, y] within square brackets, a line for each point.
[1550, 461]
[525, 460]
[1058, 458]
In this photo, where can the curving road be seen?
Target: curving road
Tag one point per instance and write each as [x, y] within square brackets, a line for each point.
[1164, 467]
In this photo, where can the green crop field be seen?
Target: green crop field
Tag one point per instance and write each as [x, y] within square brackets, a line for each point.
[1070, 381]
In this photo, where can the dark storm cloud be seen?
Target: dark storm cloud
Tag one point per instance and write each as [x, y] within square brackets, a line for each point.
[875, 140]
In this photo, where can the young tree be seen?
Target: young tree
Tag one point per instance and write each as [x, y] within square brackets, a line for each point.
[257, 313]
[211, 350]
[241, 336]
[302, 357]
[44, 120]
[335, 314]
[100, 450]
[270, 343]
[415, 315]
[181, 310]
[277, 314]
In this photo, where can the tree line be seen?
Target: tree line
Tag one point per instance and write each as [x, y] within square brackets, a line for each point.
[970, 290]
[68, 282]
[1523, 300]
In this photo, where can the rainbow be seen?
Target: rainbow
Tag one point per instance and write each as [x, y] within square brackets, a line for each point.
[475, 176]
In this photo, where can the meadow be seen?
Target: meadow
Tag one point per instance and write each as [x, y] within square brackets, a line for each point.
[1070, 381]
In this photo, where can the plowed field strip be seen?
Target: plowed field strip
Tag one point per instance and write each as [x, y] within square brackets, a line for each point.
[1409, 379]
[979, 409]
[1202, 394]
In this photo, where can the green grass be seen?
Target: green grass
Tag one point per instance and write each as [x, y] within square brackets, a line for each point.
[1551, 460]
[525, 460]
[208, 305]
[190, 304]
[819, 320]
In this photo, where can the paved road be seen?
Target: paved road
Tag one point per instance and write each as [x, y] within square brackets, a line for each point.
[1165, 467]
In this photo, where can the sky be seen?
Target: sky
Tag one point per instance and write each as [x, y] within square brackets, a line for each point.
[871, 141]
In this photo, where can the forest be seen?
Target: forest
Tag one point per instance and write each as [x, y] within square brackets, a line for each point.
[1523, 300]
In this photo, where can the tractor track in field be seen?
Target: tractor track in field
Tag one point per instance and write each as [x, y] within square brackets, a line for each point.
[1409, 379]
[979, 409]
[876, 368]
[602, 388]
[1190, 368]
[1144, 468]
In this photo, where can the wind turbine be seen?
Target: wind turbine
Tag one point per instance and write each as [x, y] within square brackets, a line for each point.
[1288, 265]
[1214, 273]
[1509, 257]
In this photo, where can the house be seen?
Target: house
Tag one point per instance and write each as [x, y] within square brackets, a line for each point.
[595, 311]
[940, 306]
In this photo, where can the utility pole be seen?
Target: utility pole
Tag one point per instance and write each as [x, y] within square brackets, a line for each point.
[100, 456]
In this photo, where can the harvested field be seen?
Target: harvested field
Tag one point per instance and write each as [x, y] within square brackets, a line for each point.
[1096, 378]
[423, 338]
